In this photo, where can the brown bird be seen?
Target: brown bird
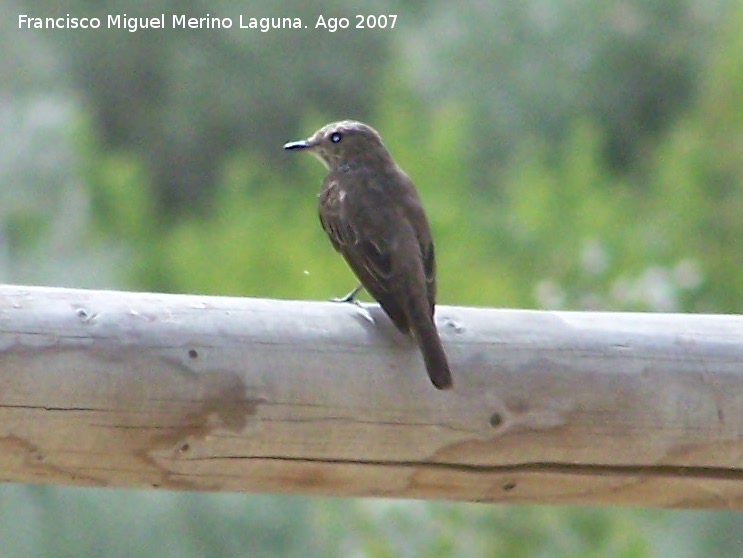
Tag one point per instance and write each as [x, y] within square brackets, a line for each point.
[373, 216]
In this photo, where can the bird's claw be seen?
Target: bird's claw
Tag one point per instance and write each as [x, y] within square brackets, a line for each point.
[350, 297]
[347, 301]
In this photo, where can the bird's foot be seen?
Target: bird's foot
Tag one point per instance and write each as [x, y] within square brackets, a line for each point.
[350, 297]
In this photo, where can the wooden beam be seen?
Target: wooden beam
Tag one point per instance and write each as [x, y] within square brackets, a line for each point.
[237, 394]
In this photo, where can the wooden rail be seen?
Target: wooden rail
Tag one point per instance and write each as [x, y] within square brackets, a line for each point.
[238, 394]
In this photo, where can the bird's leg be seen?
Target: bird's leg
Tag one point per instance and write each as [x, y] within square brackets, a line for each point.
[350, 297]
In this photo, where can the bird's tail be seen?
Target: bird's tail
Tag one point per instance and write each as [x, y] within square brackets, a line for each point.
[437, 365]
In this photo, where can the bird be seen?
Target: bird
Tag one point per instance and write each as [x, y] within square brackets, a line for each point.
[373, 216]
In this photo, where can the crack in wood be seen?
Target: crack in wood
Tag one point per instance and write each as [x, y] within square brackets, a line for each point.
[381, 423]
[47, 408]
[546, 467]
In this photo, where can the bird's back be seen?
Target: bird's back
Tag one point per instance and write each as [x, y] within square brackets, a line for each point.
[384, 237]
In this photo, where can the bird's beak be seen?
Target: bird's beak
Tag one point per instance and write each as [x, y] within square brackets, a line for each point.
[301, 144]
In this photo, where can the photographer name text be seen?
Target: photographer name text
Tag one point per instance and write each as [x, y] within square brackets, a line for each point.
[182, 21]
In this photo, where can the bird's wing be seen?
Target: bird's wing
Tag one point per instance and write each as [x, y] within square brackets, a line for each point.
[366, 254]
[429, 267]
[417, 217]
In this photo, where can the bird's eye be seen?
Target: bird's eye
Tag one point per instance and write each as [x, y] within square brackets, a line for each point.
[336, 137]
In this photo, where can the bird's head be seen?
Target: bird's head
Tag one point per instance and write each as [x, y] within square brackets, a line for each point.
[347, 143]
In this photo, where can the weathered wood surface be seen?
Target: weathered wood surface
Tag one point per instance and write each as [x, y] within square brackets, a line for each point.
[210, 393]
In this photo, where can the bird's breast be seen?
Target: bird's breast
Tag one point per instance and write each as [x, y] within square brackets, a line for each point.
[333, 195]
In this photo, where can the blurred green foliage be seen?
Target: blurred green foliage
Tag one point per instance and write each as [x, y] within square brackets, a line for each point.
[582, 155]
